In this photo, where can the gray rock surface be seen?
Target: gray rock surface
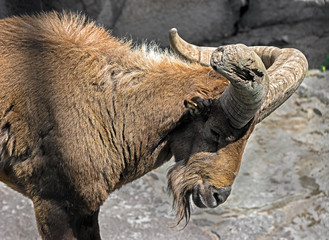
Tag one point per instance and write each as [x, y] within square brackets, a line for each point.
[281, 192]
[299, 24]
[315, 85]
[152, 19]
[302, 24]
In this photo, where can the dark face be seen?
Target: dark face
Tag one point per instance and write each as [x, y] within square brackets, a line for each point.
[208, 153]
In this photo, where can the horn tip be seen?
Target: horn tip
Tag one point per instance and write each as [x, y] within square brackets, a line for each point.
[173, 31]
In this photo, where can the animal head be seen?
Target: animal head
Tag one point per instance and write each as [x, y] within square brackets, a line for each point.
[209, 142]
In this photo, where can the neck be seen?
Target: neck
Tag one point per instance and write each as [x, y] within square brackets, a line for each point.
[147, 102]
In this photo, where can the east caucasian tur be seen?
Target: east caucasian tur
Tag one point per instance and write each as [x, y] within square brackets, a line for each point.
[83, 113]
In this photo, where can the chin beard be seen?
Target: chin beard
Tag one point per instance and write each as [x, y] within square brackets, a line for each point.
[181, 182]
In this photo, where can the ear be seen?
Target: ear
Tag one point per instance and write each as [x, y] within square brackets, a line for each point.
[197, 105]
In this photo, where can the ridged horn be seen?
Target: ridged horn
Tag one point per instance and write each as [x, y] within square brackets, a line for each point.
[286, 69]
[248, 82]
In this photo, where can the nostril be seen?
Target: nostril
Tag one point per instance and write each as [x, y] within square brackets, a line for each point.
[219, 199]
[221, 194]
[206, 195]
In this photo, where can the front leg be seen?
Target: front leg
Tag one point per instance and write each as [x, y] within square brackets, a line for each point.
[87, 227]
[57, 222]
[53, 220]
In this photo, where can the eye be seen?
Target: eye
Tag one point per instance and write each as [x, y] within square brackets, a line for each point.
[214, 135]
[198, 106]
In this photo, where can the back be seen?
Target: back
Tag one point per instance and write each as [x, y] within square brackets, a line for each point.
[46, 65]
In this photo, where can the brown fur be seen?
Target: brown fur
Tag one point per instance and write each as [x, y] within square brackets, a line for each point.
[82, 113]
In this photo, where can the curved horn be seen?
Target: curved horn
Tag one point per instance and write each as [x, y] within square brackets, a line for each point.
[286, 68]
[189, 51]
[248, 82]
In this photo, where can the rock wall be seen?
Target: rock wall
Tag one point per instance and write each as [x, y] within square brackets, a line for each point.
[302, 24]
